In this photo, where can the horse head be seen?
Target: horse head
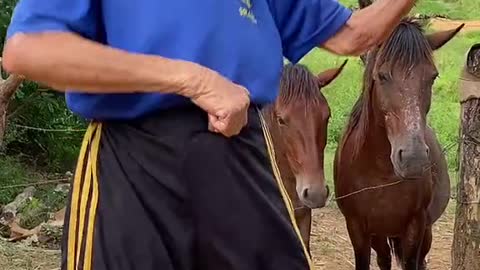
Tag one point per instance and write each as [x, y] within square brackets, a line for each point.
[301, 114]
[400, 74]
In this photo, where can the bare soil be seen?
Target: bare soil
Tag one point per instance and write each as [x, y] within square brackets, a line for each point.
[330, 245]
[331, 248]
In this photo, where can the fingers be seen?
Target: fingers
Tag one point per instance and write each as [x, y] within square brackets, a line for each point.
[211, 120]
[228, 126]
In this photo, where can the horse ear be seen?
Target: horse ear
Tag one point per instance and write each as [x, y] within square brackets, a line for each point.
[438, 39]
[364, 3]
[326, 77]
[363, 57]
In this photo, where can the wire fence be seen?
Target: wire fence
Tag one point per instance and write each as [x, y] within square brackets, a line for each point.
[454, 146]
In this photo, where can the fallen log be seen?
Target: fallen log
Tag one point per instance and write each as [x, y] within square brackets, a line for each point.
[9, 211]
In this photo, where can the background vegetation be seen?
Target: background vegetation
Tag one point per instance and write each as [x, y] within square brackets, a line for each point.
[33, 155]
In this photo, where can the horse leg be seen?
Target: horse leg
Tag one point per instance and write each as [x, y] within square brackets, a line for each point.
[426, 245]
[412, 242]
[303, 217]
[384, 255]
[361, 244]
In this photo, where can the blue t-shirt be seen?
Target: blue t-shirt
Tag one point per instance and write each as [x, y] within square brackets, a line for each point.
[244, 40]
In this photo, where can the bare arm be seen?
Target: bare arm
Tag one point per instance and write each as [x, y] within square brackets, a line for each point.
[68, 61]
[368, 26]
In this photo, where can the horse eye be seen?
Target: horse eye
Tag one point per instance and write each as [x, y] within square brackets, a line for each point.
[383, 77]
[281, 121]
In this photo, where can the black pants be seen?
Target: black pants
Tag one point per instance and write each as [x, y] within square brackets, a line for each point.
[164, 193]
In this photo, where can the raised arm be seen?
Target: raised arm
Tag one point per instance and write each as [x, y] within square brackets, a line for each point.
[306, 24]
[368, 26]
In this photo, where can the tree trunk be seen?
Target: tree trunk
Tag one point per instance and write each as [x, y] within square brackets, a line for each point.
[466, 242]
[8, 87]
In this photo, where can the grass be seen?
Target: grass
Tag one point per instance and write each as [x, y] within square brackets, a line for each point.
[445, 112]
[453, 9]
[22, 257]
[12, 173]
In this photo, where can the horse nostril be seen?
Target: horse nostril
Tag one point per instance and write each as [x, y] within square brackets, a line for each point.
[305, 193]
[427, 150]
[400, 155]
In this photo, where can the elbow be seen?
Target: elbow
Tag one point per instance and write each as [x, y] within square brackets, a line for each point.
[13, 59]
[350, 41]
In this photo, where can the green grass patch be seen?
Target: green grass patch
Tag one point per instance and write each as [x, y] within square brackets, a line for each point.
[12, 173]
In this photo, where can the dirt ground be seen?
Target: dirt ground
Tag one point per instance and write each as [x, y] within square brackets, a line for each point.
[331, 248]
[445, 24]
[330, 245]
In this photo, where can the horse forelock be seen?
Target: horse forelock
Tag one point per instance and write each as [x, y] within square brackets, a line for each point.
[299, 86]
[406, 47]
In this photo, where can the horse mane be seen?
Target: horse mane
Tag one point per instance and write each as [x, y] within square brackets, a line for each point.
[405, 48]
[298, 84]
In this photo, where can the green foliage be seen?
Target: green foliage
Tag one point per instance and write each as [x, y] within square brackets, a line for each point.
[6, 8]
[44, 202]
[11, 173]
[48, 150]
[33, 213]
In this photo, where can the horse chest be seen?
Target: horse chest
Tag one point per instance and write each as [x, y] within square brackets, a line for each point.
[388, 209]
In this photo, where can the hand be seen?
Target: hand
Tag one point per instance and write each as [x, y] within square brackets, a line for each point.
[225, 102]
[368, 27]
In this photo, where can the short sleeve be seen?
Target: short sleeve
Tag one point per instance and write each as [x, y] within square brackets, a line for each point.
[305, 24]
[33, 16]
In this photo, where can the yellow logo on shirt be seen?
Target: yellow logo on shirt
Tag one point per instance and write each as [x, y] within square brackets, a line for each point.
[247, 11]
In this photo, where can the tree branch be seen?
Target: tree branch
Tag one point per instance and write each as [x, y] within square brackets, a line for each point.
[7, 90]
[1, 76]
[9, 86]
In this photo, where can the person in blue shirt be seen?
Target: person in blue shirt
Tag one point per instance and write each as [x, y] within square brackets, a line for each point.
[175, 171]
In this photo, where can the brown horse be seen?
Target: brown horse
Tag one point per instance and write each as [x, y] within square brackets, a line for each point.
[298, 125]
[391, 177]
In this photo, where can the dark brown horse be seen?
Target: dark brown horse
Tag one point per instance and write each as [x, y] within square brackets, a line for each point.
[298, 123]
[391, 177]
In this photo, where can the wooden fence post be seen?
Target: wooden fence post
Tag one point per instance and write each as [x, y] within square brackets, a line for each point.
[466, 242]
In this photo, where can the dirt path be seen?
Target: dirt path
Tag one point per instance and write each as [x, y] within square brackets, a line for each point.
[331, 247]
[446, 24]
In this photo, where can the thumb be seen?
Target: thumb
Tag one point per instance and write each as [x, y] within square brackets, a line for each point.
[213, 123]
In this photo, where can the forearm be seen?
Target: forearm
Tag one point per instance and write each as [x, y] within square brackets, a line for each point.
[67, 61]
[368, 26]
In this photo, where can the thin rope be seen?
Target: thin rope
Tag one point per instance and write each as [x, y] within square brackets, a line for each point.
[49, 130]
[35, 183]
[444, 150]
[367, 189]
